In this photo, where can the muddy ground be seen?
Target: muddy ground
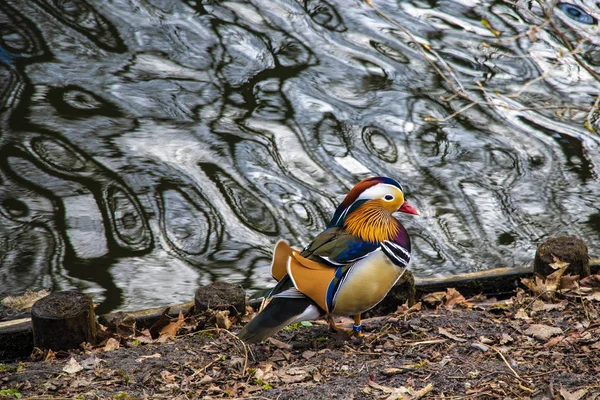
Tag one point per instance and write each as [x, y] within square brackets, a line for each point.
[533, 345]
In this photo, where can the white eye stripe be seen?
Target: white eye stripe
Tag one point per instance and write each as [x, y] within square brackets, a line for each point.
[377, 191]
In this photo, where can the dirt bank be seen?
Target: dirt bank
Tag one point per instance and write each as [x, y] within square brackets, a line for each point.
[530, 346]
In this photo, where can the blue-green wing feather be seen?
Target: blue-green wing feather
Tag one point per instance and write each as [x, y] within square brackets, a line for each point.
[336, 247]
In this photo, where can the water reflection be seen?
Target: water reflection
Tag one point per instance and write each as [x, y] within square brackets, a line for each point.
[146, 148]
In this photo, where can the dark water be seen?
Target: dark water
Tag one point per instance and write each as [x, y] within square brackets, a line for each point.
[148, 147]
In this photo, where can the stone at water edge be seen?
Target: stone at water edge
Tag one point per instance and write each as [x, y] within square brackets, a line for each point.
[220, 296]
[568, 249]
[63, 320]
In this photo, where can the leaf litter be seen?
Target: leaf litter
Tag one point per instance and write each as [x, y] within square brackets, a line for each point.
[543, 343]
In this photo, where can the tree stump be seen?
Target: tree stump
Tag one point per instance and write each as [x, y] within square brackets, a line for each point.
[63, 320]
[220, 296]
[568, 249]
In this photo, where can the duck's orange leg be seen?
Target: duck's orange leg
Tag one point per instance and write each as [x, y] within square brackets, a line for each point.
[357, 327]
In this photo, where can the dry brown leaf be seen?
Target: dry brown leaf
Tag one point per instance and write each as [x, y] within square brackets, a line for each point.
[454, 298]
[521, 314]
[162, 321]
[222, 317]
[206, 379]
[72, 366]
[279, 344]
[50, 355]
[25, 301]
[506, 338]
[145, 337]
[294, 375]
[449, 335]
[80, 382]
[574, 395]
[595, 296]
[91, 362]
[111, 344]
[280, 355]
[124, 324]
[534, 284]
[542, 332]
[554, 341]
[539, 305]
[591, 281]
[546, 287]
[568, 282]
[265, 373]
[316, 375]
[167, 377]
[404, 309]
[485, 340]
[434, 298]
[558, 264]
[170, 330]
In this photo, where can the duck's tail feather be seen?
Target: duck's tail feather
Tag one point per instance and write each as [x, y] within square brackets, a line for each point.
[280, 312]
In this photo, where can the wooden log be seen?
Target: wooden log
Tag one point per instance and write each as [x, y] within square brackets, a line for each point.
[569, 249]
[144, 318]
[63, 320]
[221, 296]
[493, 282]
[16, 339]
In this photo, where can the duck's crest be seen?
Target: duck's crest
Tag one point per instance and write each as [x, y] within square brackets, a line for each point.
[350, 202]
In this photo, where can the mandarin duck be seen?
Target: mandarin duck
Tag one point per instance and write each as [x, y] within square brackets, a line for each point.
[346, 270]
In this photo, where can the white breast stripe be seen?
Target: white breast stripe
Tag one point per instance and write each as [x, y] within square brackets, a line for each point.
[394, 256]
[396, 246]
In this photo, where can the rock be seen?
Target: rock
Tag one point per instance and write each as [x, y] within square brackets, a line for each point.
[480, 346]
[220, 296]
[568, 249]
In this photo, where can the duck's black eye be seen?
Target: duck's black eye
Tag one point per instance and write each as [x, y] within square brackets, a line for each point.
[389, 197]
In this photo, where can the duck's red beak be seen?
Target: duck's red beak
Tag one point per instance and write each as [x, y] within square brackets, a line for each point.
[407, 208]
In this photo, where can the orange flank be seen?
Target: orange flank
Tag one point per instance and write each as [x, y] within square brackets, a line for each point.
[281, 253]
[311, 278]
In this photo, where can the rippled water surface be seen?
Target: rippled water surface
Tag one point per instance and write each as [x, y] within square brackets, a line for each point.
[151, 146]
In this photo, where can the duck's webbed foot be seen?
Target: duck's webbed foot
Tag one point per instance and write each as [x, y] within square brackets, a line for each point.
[356, 330]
